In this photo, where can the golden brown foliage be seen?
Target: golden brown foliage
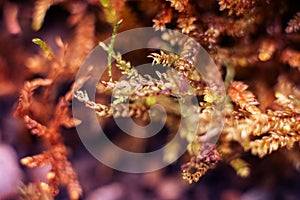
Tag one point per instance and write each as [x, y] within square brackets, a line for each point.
[245, 99]
[34, 191]
[52, 117]
[205, 159]
[291, 57]
[40, 10]
[237, 7]
[162, 18]
[61, 170]
[276, 129]
[293, 24]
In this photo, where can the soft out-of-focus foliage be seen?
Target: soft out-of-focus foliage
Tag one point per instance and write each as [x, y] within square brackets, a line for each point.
[49, 130]
[294, 24]
[255, 45]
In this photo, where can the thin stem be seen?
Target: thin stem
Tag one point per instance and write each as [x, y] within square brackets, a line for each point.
[111, 50]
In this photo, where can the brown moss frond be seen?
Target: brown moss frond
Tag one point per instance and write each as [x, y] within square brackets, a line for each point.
[291, 57]
[206, 158]
[162, 18]
[245, 99]
[56, 154]
[40, 10]
[27, 92]
[237, 7]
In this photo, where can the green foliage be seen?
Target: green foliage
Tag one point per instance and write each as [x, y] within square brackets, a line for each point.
[48, 53]
[110, 12]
